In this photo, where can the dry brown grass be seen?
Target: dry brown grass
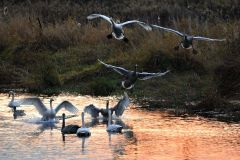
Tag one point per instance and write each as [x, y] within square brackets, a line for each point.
[73, 49]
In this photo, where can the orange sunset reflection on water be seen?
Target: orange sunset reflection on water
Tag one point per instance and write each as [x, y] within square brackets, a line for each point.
[146, 135]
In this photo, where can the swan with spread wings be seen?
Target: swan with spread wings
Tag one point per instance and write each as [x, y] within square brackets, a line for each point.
[117, 28]
[118, 109]
[187, 40]
[130, 77]
[49, 114]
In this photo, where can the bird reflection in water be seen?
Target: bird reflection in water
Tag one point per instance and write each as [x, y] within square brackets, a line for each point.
[18, 113]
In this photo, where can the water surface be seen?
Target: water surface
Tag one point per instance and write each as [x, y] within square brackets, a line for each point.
[146, 135]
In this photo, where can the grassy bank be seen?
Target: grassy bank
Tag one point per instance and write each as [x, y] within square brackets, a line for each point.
[49, 47]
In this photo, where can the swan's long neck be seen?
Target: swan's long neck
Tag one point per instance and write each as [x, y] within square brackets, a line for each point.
[135, 69]
[185, 38]
[107, 106]
[63, 120]
[113, 23]
[51, 106]
[109, 117]
[83, 120]
[13, 95]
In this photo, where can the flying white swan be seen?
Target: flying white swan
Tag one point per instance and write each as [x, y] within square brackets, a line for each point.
[83, 131]
[118, 109]
[187, 40]
[132, 76]
[49, 114]
[117, 28]
[113, 128]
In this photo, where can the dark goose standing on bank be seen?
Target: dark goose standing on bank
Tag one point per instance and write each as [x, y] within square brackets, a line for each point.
[117, 28]
[187, 40]
[132, 76]
[118, 109]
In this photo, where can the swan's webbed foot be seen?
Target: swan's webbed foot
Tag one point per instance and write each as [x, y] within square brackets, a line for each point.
[194, 51]
[110, 36]
[125, 40]
[176, 48]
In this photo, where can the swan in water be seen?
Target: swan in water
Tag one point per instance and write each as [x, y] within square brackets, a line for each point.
[83, 131]
[49, 114]
[69, 129]
[113, 128]
[132, 76]
[117, 28]
[13, 103]
[187, 40]
[118, 109]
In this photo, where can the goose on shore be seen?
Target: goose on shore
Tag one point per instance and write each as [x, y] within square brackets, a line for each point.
[117, 28]
[83, 131]
[187, 40]
[69, 129]
[113, 128]
[49, 114]
[118, 109]
[130, 77]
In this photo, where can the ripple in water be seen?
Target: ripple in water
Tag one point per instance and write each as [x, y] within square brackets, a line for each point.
[146, 135]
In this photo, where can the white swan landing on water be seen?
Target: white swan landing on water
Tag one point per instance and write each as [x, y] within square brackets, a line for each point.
[117, 28]
[118, 109]
[49, 114]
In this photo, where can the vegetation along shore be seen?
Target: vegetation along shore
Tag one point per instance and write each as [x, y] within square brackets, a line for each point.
[50, 47]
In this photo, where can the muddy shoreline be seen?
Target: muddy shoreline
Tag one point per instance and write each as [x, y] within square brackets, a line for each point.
[228, 112]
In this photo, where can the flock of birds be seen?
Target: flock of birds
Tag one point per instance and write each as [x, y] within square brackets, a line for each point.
[49, 115]
[130, 78]
[118, 33]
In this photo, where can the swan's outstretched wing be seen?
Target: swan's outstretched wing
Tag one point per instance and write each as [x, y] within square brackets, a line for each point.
[119, 70]
[121, 105]
[36, 102]
[68, 106]
[207, 39]
[142, 24]
[93, 16]
[92, 110]
[146, 75]
[169, 30]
